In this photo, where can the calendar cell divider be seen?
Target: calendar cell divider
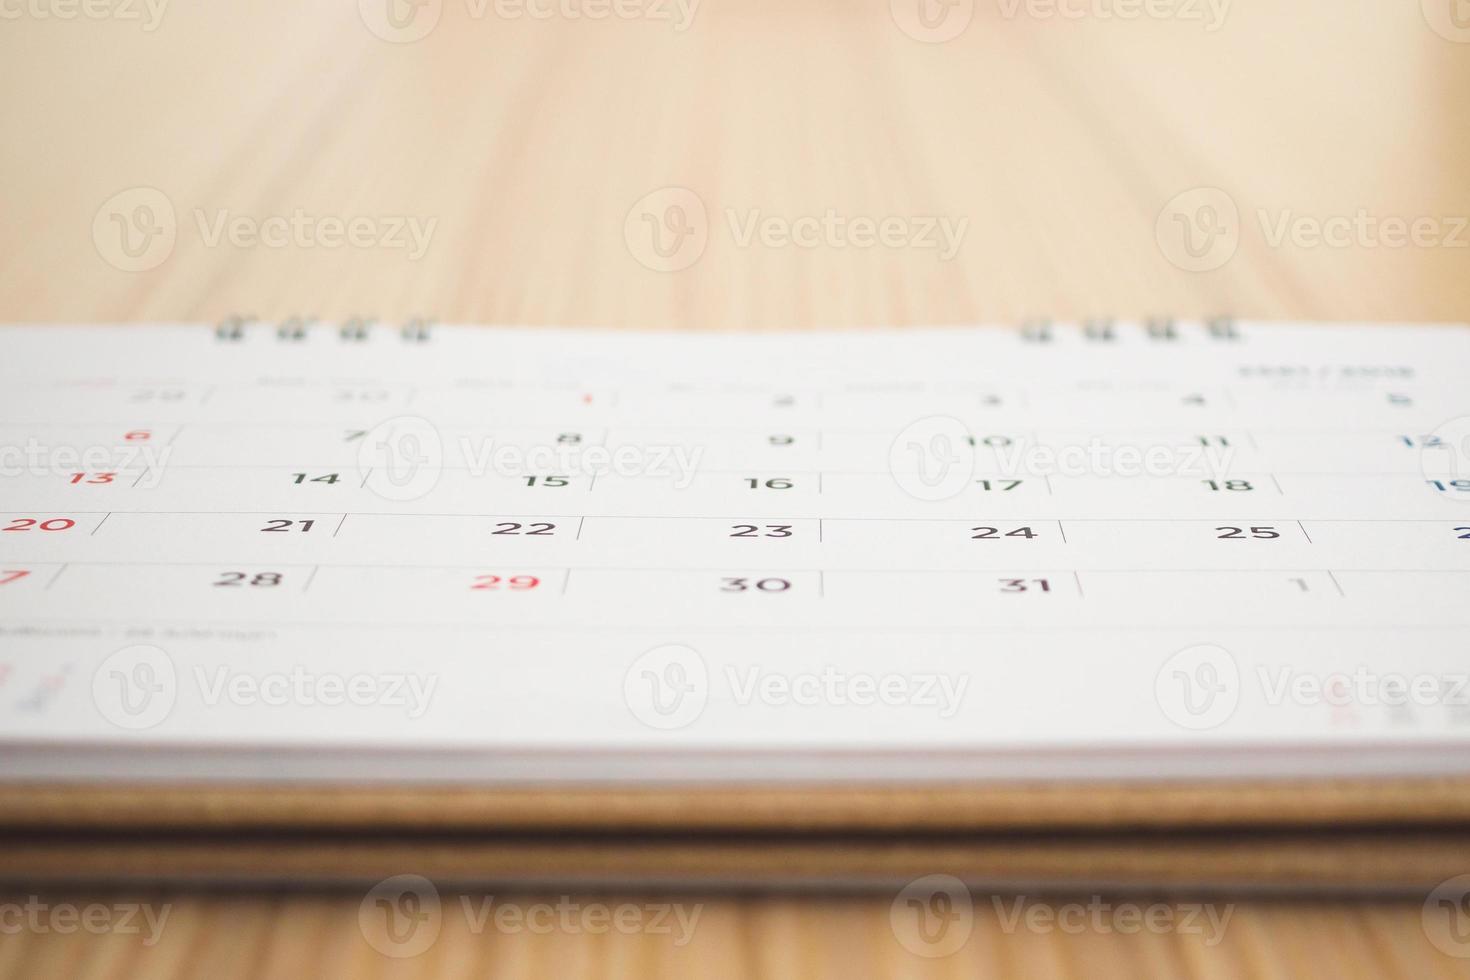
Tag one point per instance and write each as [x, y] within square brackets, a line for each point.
[723, 517]
[99, 524]
[1025, 566]
[1304, 531]
[1335, 582]
[52, 580]
[338, 529]
[792, 627]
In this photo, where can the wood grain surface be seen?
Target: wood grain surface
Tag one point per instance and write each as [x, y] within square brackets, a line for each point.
[1066, 141]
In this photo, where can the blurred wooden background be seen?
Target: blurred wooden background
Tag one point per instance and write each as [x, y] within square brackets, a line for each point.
[528, 141]
[1074, 149]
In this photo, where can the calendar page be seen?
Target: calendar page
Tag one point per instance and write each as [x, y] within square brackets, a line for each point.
[328, 551]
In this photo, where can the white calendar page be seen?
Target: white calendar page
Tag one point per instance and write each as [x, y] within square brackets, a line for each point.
[288, 551]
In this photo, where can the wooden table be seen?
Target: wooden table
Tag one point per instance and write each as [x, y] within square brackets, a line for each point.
[1315, 153]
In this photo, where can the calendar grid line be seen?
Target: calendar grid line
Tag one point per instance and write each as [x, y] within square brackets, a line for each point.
[777, 566]
[733, 516]
[742, 628]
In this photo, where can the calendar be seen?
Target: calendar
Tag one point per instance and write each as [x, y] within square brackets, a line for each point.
[388, 552]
